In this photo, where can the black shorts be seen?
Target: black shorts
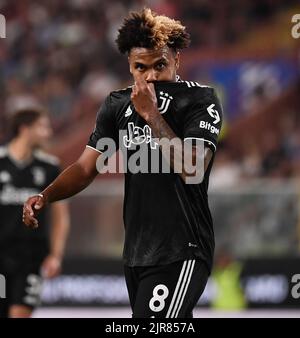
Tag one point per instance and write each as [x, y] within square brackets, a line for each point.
[167, 291]
[23, 285]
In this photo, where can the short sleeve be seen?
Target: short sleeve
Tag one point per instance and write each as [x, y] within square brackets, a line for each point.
[203, 118]
[105, 126]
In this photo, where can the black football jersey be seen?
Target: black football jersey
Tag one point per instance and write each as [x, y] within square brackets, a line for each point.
[165, 219]
[19, 181]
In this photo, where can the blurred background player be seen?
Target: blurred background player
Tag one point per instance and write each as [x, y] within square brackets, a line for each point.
[28, 256]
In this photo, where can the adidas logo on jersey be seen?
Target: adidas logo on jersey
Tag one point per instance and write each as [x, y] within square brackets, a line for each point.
[128, 111]
[191, 84]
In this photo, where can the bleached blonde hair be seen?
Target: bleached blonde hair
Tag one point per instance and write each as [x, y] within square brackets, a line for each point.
[149, 30]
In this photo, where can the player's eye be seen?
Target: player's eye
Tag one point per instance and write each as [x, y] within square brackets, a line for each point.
[160, 66]
[140, 67]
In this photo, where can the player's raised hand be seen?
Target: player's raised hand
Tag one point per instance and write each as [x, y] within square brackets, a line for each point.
[51, 266]
[30, 209]
[144, 98]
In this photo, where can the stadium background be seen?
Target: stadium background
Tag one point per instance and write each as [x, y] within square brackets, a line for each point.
[62, 54]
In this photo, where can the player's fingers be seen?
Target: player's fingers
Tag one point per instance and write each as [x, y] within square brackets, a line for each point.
[28, 218]
[133, 90]
[132, 96]
[138, 78]
[140, 82]
[136, 87]
[150, 86]
[39, 203]
[31, 222]
[28, 208]
[27, 215]
[53, 271]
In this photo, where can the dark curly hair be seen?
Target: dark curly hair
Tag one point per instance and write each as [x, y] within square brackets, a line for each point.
[148, 30]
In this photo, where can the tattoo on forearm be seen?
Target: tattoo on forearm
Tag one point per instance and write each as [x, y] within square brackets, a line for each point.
[161, 129]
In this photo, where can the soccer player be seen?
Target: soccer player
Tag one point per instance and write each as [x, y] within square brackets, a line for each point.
[28, 256]
[169, 240]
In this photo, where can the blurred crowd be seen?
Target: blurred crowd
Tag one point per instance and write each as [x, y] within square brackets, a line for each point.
[276, 154]
[63, 55]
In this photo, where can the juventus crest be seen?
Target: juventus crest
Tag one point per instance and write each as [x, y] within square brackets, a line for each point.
[165, 100]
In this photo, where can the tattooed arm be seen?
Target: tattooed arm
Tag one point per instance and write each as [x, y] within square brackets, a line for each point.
[163, 132]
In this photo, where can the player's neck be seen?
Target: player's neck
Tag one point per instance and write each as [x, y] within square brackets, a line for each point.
[20, 150]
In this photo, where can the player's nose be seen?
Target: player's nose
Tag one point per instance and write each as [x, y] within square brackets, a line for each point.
[151, 76]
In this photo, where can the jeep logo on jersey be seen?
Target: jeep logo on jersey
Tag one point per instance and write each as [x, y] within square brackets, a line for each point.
[137, 135]
[213, 113]
[165, 102]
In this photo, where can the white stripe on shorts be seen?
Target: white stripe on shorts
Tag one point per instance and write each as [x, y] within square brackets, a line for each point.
[186, 287]
[181, 288]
